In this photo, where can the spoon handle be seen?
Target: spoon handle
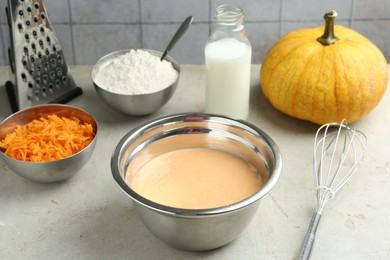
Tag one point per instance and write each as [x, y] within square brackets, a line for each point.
[182, 29]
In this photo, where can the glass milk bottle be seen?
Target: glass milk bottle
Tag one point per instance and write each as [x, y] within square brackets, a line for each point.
[228, 62]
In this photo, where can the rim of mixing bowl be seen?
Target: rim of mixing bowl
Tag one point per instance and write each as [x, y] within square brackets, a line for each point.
[195, 117]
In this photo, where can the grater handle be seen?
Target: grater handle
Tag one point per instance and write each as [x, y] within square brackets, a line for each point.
[10, 58]
[71, 94]
[8, 17]
[11, 62]
[10, 89]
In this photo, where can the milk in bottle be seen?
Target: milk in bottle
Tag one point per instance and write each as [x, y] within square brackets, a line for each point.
[228, 61]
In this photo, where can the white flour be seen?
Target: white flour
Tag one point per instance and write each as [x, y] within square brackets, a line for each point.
[135, 72]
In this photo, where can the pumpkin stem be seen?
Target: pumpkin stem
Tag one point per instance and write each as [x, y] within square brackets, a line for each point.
[329, 37]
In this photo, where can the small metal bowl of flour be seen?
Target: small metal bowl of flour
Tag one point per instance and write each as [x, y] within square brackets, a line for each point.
[135, 81]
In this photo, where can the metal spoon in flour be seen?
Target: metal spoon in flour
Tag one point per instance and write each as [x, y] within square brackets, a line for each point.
[182, 29]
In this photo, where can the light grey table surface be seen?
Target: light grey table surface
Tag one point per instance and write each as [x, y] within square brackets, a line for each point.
[89, 217]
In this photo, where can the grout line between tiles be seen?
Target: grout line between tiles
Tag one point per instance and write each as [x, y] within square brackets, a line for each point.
[141, 29]
[72, 41]
[280, 17]
[210, 20]
[352, 13]
[206, 22]
[127, 23]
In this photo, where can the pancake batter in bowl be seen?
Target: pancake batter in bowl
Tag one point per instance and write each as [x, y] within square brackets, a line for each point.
[196, 178]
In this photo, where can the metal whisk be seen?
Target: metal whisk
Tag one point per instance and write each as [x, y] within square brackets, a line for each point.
[336, 157]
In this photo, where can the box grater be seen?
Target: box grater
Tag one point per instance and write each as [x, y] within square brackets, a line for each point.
[40, 72]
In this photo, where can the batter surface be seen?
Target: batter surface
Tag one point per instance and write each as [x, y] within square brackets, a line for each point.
[196, 178]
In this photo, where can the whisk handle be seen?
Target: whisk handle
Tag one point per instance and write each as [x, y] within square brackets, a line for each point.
[308, 242]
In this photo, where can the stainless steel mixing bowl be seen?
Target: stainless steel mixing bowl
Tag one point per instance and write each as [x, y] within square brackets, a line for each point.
[190, 229]
[54, 170]
[135, 105]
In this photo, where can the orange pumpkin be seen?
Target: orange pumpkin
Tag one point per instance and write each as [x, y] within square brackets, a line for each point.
[340, 75]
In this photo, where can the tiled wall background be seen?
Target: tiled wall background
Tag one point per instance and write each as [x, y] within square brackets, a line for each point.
[89, 29]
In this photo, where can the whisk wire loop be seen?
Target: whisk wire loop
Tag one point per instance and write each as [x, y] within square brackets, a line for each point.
[337, 155]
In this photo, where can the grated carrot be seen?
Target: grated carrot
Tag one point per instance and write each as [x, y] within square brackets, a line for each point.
[47, 139]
